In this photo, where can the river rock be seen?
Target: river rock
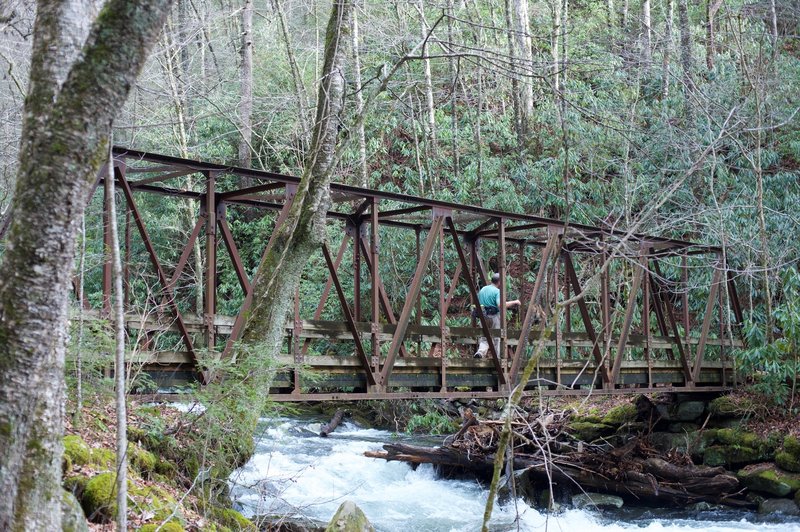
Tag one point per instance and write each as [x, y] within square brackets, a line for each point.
[687, 411]
[596, 500]
[783, 506]
[666, 441]
[789, 457]
[769, 479]
[349, 518]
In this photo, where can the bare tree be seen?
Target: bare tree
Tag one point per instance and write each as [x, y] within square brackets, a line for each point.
[64, 141]
[246, 86]
[118, 319]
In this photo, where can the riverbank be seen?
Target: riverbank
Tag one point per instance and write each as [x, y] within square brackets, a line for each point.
[168, 488]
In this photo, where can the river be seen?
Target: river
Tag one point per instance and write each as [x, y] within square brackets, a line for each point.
[296, 472]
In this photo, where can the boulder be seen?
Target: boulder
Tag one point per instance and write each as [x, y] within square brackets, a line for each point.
[783, 506]
[589, 431]
[767, 478]
[76, 450]
[72, 518]
[596, 500]
[666, 441]
[687, 411]
[99, 498]
[349, 518]
[619, 415]
[789, 457]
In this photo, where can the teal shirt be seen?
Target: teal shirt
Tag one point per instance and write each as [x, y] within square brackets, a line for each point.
[489, 296]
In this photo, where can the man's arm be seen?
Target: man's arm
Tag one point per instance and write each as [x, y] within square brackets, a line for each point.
[514, 303]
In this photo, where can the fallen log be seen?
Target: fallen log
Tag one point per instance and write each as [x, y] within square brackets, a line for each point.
[330, 427]
[646, 487]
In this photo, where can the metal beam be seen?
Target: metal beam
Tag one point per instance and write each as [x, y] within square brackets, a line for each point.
[527, 323]
[413, 294]
[572, 276]
[712, 297]
[499, 368]
[362, 356]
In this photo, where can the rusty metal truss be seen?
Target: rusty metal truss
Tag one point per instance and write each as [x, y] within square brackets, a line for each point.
[632, 330]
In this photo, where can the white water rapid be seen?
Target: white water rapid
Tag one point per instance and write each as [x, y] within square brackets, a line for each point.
[296, 472]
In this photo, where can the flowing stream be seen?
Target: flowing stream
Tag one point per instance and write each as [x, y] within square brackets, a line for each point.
[295, 472]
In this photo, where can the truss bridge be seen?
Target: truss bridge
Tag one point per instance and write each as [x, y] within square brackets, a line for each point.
[383, 308]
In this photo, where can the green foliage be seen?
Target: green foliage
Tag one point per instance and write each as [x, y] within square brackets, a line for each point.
[428, 419]
[774, 365]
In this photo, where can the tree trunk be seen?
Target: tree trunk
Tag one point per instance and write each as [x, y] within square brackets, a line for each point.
[522, 34]
[687, 61]
[556, 38]
[65, 139]
[668, 16]
[453, 93]
[363, 175]
[773, 22]
[512, 59]
[430, 133]
[246, 87]
[119, 354]
[297, 79]
[304, 228]
[712, 6]
[647, 38]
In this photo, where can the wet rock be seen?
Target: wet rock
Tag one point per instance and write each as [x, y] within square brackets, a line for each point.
[349, 518]
[783, 506]
[548, 502]
[596, 500]
[282, 523]
[767, 478]
[731, 456]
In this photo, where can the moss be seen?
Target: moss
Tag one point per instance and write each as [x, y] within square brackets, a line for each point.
[620, 415]
[588, 431]
[787, 461]
[104, 458]
[766, 478]
[171, 526]
[714, 456]
[76, 450]
[145, 461]
[99, 498]
[729, 406]
[349, 517]
[76, 484]
[792, 445]
[233, 519]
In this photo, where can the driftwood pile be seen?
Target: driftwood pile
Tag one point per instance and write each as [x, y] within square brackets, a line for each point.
[544, 451]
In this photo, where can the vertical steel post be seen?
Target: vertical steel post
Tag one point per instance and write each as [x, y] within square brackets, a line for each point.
[605, 307]
[501, 267]
[209, 314]
[376, 285]
[442, 314]
[648, 335]
[357, 273]
[418, 316]
[685, 298]
[556, 317]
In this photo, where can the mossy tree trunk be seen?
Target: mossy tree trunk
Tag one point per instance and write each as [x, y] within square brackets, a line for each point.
[303, 231]
[71, 103]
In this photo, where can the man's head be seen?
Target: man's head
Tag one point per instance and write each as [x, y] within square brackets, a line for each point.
[496, 279]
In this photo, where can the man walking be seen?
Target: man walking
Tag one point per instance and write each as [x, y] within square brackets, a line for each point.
[489, 301]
